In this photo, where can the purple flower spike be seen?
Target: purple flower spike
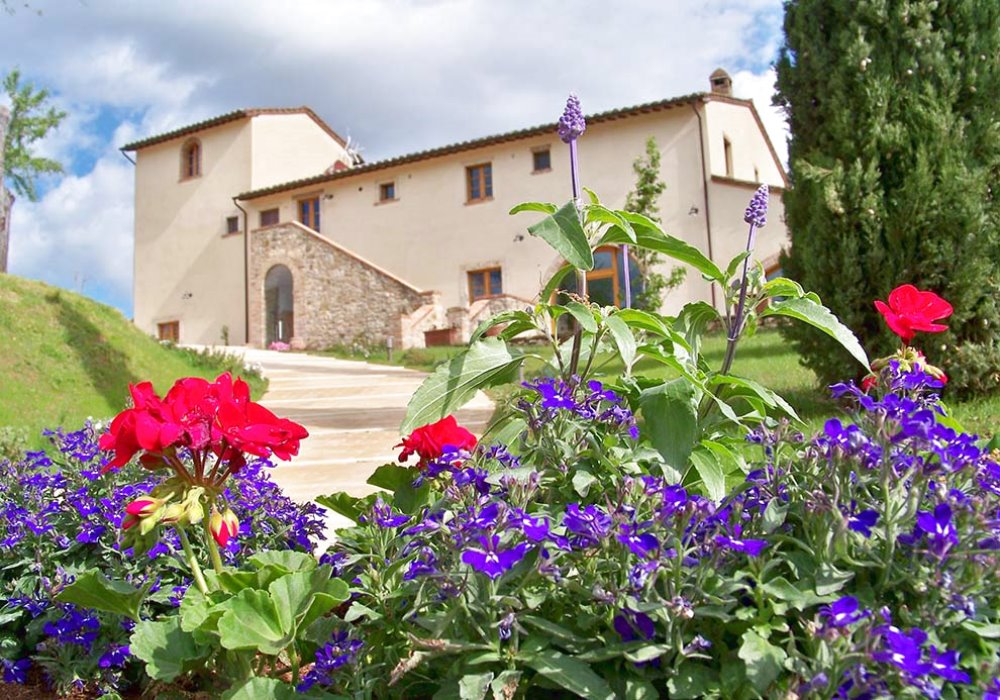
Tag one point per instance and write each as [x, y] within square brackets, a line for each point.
[572, 124]
[756, 212]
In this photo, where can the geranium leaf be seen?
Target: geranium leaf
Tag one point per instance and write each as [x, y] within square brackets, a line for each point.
[258, 687]
[763, 660]
[347, 505]
[818, 316]
[570, 673]
[693, 680]
[285, 560]
[251, 621]
[487, 362]
[563, 231]
[167, 650]
[94, 590]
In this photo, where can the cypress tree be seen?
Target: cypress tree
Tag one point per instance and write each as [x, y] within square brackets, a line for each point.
[894, 162]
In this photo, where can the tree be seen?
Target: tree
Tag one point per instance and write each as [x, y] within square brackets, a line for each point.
[30, 121]
[895, 155]
[643, 200]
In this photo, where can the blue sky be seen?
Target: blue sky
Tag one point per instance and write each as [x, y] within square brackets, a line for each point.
[395, 75]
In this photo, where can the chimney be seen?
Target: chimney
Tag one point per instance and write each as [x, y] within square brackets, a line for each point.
[721, 83]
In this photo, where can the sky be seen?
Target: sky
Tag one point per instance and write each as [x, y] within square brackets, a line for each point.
[396, 76]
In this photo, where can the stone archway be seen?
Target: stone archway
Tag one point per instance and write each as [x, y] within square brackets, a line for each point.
[279, 305]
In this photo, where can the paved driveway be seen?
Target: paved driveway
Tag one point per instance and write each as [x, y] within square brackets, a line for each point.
[352, 411]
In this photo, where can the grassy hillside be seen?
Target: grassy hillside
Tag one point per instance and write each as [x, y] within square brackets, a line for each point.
[64, 357]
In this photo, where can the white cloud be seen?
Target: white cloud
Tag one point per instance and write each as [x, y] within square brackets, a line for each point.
[398, 75]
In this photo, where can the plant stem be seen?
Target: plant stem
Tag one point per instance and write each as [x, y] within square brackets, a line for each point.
[736, 327]
[192, 561]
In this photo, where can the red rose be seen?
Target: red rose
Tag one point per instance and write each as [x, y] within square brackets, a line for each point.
[429, 441]
[910, 310]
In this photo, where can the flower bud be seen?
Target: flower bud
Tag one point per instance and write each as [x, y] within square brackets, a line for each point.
[223, 526]
[194, 511]
[144, 506]
[173, 513]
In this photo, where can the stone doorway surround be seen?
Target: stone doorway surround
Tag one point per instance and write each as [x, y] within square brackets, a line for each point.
[339, 298]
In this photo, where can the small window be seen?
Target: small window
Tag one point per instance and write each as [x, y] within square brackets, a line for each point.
[269, 217]
[485, 283]
[387, 192]
[232, 224]
[191, 159]
[541, 161]
[756, 174]
[479, 182]
[309, 212]
[727, 148]
[171, 331]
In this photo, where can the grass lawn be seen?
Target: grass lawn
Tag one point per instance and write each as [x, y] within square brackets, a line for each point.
[766, 358]
[64, 358]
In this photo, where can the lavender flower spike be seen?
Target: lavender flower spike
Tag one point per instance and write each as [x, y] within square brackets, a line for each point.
[756, 212]
[572, 124]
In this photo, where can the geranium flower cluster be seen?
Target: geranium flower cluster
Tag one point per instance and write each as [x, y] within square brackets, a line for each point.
[59, 515]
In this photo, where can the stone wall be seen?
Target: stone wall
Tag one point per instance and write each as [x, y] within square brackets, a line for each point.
[338, 297]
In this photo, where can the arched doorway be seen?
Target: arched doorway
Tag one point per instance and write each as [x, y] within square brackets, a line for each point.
[279, 314]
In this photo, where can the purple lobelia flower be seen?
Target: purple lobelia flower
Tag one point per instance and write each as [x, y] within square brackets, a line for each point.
[904, 650]
[992, 691]
[424, 565]
[641, 544]
[383, 516]
[535, 529]
[843, 612]
[863, 522]
[115, 656]
[945, 665]
[341, 650]
[489, 559]
[15, 671]
[750, 547]
[938, 528]
[631, 625]
[589, 526]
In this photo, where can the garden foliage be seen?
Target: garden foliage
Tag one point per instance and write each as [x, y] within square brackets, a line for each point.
[894, 158]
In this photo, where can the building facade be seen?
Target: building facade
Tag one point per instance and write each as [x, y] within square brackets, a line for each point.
[260, 226]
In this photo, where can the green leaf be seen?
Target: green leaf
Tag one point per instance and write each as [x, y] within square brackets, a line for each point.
[473, 686]
[623, 338]
[774, 515]
[810, 311]
[284, 560]
[645, 321]
[94, 590]
[596, 213]
[257, 687]
[570, 673]
[693, 680]
[518, 317]
[763, 660]
[782, 589]
[544, 207]
[399, 480]
[766, 395]
[582, 480]
[830, 579]
[553, 284]
[554, 630]
[693, 321]
[252, 622]
[670, 413]
[638, 689]
[486, 363]
[583, 315]
[564, 232]
[166, 649]
[985, 630]
[648, 235]
[347, 505]
[709, 466]
[504, 686]
[782, 287]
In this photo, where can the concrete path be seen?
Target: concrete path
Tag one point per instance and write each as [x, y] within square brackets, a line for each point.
[352, 411]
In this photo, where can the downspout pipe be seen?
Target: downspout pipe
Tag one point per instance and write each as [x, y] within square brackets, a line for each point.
[127, 156]
[246, 273]
[704, 181]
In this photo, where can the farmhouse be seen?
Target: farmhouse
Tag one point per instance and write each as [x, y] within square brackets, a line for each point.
[261, 225]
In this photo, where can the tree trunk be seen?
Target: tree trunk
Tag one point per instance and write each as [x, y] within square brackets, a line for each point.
[6, 199]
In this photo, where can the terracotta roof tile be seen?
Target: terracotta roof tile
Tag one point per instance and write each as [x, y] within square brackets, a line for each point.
[235, 115]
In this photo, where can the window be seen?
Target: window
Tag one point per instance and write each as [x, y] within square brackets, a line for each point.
[479, 182]
[309, 212]
[606, 282]
[269, 217]
[232, 224]
[387, 192]
[541, 160]
[485, 283]
[727, 148]
[170, 330]
[191, 159]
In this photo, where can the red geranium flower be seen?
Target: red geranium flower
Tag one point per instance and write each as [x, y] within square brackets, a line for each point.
[910, 310]
[429, 441]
